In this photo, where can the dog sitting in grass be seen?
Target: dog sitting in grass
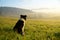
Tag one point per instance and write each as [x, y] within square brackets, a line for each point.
[19, 27]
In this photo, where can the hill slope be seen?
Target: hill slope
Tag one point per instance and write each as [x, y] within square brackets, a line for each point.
[13, 12]
[16, 12]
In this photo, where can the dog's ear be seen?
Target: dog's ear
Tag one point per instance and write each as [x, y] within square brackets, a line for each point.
[21, 16]
[25, 15]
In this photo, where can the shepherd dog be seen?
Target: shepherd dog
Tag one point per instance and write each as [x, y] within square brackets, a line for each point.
[19, 26]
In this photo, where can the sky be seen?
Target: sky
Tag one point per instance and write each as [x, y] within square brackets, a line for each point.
[32, 4]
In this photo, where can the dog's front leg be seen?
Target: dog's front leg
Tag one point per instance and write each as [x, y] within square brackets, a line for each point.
[23, 30]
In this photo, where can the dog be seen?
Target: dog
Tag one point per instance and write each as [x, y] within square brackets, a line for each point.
[19, 27]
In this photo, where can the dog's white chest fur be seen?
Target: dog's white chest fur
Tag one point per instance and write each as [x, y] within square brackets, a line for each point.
[23, 21]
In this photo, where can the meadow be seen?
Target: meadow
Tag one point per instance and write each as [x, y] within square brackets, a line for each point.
[35, 29]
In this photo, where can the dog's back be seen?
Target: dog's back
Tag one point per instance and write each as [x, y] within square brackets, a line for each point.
[19, 24]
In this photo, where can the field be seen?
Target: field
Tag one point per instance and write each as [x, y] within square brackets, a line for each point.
[35, 29]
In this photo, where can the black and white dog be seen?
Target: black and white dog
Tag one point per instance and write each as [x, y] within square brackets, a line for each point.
[19, 27]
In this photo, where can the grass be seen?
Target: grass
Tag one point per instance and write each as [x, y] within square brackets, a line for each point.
[35, 29]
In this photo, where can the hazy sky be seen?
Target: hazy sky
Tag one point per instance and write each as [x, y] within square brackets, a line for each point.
[35, 5]
[31, 4]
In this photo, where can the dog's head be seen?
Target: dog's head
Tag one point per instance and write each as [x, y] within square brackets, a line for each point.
[23, 16]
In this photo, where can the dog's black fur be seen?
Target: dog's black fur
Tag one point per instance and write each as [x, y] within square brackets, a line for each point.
[20, 24]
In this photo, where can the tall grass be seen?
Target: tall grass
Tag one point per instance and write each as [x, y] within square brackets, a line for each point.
[40, 29]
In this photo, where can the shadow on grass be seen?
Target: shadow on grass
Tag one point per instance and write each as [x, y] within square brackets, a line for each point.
[57, 34]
